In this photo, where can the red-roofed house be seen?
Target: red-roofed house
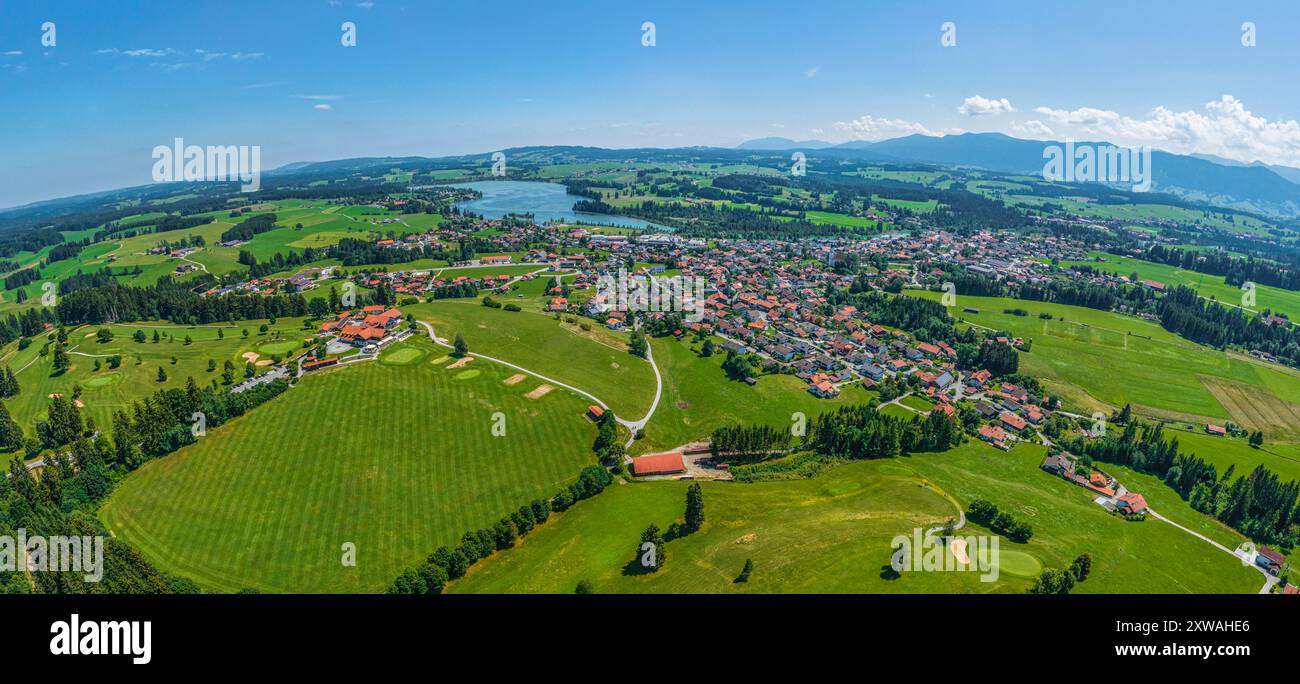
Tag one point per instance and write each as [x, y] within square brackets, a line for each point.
[1131, 502]
[994, 435]
[1013, 421]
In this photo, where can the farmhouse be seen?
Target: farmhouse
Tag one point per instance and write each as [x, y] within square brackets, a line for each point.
[659, 464]
[1216, 430]
[1269, 559]
[1132, 502]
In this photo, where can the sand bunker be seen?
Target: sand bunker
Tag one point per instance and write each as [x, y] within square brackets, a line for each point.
[515, 379]
[958, 548]
[249, 356]
[460, 362]
[78, 403]
[539, 392]
[55, 395]
[264, 362]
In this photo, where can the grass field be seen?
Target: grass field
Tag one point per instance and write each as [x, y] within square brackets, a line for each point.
[300, 224]
[1266, 297]
[397, 458]
[109, 389]
[596, 361]
[1094, 360]
[832, 533]
[698, 397]
[1115, 359]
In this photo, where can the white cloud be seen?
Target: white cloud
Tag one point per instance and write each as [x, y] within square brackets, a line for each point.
[138, 52]
[868, 127]
[14, 53]
[1224, 128]
[1031, 129]
[323, 107]
[319, 97]
[812, 72]
[365, 5]
[977, 105]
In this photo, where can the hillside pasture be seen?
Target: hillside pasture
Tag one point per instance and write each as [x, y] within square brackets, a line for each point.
[394, 458]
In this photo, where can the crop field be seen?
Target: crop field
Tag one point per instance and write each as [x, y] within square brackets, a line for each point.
[108, 389]
[396, 457]
[832, 533]
[596, 361]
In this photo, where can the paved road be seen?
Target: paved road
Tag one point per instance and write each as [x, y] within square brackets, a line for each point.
[1269, 580]
[636, 426]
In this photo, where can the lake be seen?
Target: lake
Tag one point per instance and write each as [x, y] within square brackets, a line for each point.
[545, 201]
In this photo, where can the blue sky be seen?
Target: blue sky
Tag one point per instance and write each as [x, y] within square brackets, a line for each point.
[435, 78]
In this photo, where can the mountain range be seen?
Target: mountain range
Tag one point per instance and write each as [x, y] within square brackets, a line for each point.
[1255, 187]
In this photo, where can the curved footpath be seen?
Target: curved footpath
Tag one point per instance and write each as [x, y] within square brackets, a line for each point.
[632, 425]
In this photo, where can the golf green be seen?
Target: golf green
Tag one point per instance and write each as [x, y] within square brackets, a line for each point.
[402, 357]
[281, 347]
[1018, 563]
[102, 380]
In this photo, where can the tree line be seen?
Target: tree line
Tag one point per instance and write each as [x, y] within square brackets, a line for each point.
[1259, 505]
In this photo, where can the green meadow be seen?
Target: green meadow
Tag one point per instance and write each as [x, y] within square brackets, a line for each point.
[1096, 360]
[108, 389]
[595, 360]
[1266, 297]
[833, 533]
[397, 457]
[698, 397]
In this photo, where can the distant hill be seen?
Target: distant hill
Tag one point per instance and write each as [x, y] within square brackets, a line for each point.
[783, 144]
[1254, 187]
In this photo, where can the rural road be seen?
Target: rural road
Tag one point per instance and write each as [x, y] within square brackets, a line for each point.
[1269, 580]
[632, 425]
[636, 426]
